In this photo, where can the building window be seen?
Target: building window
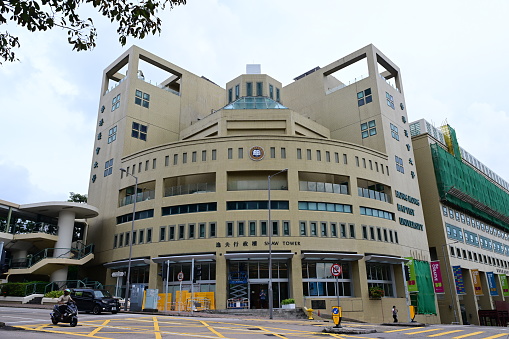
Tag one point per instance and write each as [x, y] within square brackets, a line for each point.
[336, 157]
[308, 152]
[318, 155]
[212, 229]
[342, 230]
[259, 89]
[203, 155]
[368, 129]
[313, 229]
[364, 97]
[323, 229]
[201, 230]
[154, 162]
[145, 214]
[175, 159]
[394, 132]
[283, 153]
[184, 158]
[127, 235]
[252, 228]
[141, 236]
[299, 153]
[373, 212]
[193, 157]
[272, 152]
[229, 229]
[278, 99]
[146, 166]
[275, 228]
[139, 131]
[230, 95]
[171, 232]
[333, 230]
[399, 164]
[380, 275]
[257, 205]
[240, 229]
[271, 91]
[142, 99]
[249, 89]
[352, 230]
[371, 233]
[115, 103]
[182, 229]
[286, 228]
[149, 235]
[303, 229]
[115, 238]
[162, 233]
[191, 231]
[237, 92]
[108, 167]
[99, 136]
[230, 153]
[189, 208]
[214, 154]
[327, 156]
[318, 281]
[325, 207]
[364, 232]
[121, 240]
[390, 100]
[263, 228]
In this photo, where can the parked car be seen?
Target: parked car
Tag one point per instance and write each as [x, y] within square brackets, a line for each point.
[95, 301]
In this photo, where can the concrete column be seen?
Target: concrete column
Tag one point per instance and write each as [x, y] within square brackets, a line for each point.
[221, 282]
[60, 275]
[65, 229]
[295, 283]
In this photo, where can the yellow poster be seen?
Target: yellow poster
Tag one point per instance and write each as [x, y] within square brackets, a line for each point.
[476, 281]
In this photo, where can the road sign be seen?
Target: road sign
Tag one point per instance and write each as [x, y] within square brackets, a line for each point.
[117, 274]
[335, 270]
[336, 315]
[180, 276]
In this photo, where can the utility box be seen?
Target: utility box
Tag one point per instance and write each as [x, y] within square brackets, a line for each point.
[136, 297]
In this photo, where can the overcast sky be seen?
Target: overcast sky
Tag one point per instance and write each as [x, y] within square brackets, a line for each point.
[453, 56]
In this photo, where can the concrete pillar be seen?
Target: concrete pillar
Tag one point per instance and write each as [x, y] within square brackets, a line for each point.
[65, 229]
[221, 282]
[59, 275]
[295, 282]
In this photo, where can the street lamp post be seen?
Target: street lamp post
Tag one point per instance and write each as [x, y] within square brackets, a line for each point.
[127, 283]
[449, 272]
[271, 301]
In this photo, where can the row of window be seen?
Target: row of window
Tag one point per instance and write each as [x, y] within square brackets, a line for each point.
[465, 219]
[379, 234]
[249, 91]
[477, 257]
[456, 233]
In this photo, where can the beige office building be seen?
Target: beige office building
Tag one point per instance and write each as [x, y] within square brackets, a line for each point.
[467, 218]
[343, 185]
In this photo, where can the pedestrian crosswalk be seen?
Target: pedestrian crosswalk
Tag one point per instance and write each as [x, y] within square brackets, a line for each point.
[444, 332]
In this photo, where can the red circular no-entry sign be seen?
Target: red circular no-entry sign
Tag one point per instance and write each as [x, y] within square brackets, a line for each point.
[180, 276]
[335, 270]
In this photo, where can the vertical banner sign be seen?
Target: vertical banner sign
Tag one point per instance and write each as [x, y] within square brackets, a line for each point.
[476, 281]
[412, 283]
[458, 279]
[492, 283]
[504, 285]
[436, 274]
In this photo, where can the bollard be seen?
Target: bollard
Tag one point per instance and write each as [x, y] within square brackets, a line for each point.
[310, 313]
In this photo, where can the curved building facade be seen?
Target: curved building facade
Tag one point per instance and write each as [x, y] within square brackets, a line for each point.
[198, 159]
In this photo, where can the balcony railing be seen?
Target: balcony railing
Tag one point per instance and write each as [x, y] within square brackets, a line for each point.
[25, 227]
[371, 194]
[142, 196]
[70, 253]
[327, 187]
[204, 187]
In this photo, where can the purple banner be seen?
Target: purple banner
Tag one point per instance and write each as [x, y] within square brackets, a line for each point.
[458, 279]
[436, 274]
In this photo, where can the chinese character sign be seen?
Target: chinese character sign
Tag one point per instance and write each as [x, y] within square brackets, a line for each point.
[476, 281]
[458, 279]
[491, 283]
[436, 275]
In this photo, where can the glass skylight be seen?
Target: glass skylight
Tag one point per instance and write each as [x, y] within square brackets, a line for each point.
[254, 103]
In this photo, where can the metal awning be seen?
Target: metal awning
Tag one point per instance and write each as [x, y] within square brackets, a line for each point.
[332, 256]
[385, 259]
[185, 258]
[258, 255]
[125, 263]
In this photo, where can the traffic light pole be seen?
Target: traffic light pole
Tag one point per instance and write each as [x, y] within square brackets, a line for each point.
[192, 287]
[166, 284]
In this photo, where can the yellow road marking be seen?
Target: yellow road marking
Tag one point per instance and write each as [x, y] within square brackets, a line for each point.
[156, 328]
[275, 334]
[211, 329]
[496, 336]
[468, 335]
[91, 334]
[444, 333]
[403, 329]
[59, 332]
[431, 330]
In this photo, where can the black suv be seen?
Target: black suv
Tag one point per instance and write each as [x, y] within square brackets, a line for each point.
[95, 301]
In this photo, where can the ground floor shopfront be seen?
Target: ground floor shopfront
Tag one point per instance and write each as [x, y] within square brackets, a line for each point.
[241, 280]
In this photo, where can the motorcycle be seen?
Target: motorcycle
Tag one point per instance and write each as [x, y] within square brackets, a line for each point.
[69, 315]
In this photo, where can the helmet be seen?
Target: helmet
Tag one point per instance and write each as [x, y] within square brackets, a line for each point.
[67, 290]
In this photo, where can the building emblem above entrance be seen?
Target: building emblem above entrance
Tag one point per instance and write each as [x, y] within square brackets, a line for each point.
[256, 153]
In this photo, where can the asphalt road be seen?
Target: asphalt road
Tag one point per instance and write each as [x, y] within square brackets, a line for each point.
[35, 323]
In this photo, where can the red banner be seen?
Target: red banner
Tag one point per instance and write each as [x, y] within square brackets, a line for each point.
[436, 274]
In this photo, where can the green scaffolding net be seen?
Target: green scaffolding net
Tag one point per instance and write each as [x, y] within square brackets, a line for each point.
[461, 185]
[426, 295]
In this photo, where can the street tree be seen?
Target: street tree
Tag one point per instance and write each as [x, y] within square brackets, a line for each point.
[136, 19]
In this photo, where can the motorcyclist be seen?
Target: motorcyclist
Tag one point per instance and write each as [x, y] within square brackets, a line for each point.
[63, 300]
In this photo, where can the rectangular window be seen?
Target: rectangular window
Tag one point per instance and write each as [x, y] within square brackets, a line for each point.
[154, 163]
[142, 99]
[263, 228]
[193, 157]
[112, 134]
[171, 232]
[214, 154]
[237, 92]
[230, 153]
[299, 153]
[201, 230]
[139, 131]
[182, 229]
[318, 155]
[184, 158]
[333, 230]
[139, 167]
[308, 154]
[396, 237]
[303, 227]
[134, 237]
[364, 232]
[162, 233]
[336, 157]
[203, 155]
[286, 228]
[345, 159]
[283, 153]
[342, 230]
[115, 103]
[278, 99]
[371, 233]
[313, 230]
[108, 167]
[327, 156]
[149, 235]
[191, 231]
[229, 229]
[212, 229]
[249, 89]
[379, 233]
[230, 95]
[115, 239]
[391, 236]
[275, 228]
[259, 89]
[352, 230]
[127, 234]
[323, 229]
[240, 229]
[252, 228]
[271, 91]
[272, 152]
[121, 240]
[385, 235]
[141, 236]
[240, 153]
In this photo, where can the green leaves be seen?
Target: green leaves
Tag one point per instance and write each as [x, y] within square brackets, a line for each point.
[135, 19]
